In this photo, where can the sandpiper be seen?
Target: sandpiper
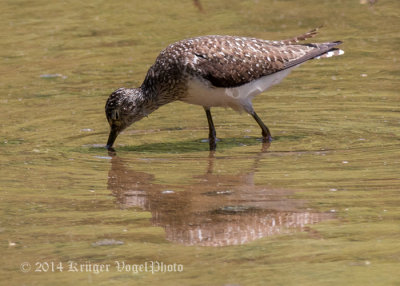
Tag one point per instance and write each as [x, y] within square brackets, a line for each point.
[213, 71]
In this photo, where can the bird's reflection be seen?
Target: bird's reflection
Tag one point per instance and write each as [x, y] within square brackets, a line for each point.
[215, 210]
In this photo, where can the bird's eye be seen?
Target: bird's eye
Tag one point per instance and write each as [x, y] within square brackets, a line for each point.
[114, 115]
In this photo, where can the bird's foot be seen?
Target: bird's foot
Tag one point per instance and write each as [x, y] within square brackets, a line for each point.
[213, 148]
[267, 139]
[265, 146]
[111, 150]
[266, 142]
[212, 142]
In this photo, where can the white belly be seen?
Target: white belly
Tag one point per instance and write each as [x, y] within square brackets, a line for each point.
[238, 98]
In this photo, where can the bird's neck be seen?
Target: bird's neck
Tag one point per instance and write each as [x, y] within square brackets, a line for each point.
[152, 97]
[149, 100]
[158, 88]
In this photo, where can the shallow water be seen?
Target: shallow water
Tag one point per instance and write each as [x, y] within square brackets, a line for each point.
[319, 207]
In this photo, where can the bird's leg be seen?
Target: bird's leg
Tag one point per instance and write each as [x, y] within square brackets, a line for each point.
[212, 135]
[265, 131]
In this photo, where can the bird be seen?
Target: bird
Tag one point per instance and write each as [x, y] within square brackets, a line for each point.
[213, 71]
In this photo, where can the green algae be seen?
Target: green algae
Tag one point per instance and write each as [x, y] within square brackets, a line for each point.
[335, 121]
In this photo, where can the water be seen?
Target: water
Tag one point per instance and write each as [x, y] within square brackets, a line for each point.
[320, 207]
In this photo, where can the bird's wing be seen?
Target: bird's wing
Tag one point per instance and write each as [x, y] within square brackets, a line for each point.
[227, 61]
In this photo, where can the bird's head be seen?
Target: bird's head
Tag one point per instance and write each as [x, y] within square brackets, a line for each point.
[123, 107]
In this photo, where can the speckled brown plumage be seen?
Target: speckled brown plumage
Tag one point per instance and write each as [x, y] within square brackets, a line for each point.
[219, 63]
[228, 61]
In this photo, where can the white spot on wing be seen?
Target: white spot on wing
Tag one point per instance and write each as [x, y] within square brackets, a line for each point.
[330, 54]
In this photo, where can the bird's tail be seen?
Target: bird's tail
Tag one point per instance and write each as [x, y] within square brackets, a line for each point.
[331, 52]
[311, 34]
[308, 35]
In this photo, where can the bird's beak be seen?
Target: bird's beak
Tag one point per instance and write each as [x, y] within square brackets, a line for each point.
[113, 135]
